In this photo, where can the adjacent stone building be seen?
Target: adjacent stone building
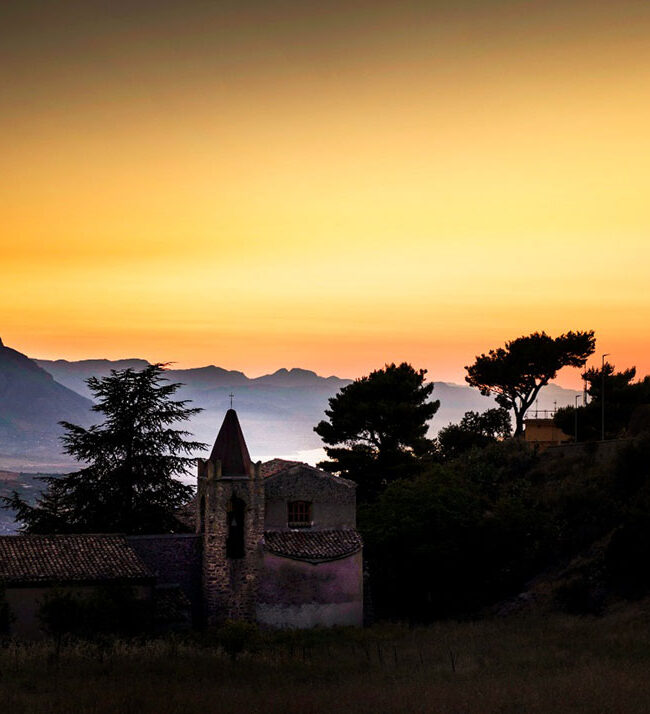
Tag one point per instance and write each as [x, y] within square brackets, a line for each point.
[273, 543]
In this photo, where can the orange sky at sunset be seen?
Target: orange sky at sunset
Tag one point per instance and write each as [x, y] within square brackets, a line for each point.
[324, 185]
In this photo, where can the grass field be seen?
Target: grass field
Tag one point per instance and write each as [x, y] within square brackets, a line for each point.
[517, 664]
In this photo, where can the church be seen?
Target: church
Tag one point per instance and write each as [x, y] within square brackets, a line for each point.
[272, 543]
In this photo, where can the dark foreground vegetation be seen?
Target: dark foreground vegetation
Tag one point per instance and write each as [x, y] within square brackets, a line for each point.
[455, 526]
[571, 528]
[518, 664]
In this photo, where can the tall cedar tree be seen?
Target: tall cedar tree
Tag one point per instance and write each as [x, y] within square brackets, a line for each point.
[129, 484]
[515, 373]
[377, 428]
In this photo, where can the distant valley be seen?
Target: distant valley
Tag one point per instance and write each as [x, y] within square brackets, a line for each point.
[278, 411]
[27, 485]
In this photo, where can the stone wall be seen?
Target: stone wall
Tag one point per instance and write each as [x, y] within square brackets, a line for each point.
[175, 560]
[333, 499]
[229, 584]
[325, 516]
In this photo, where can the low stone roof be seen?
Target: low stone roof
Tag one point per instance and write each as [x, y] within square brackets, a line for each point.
[301, 469]
[69, 558]
[273, 466]
[313, 546]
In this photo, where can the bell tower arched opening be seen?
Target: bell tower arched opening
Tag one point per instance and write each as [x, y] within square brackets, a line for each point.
[236, 524]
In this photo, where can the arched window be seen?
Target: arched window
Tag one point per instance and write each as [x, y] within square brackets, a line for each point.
[299, 514]
[236, 524]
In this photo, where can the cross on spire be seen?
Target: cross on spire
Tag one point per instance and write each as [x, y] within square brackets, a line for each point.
[231, 395]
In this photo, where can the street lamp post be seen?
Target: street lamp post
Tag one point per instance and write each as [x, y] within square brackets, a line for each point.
[575, 413]
[602, 397]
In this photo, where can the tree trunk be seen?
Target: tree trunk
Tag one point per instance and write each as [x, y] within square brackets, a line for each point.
[519, 424]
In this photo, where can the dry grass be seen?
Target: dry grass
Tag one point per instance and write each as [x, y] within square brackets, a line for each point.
[520, 664]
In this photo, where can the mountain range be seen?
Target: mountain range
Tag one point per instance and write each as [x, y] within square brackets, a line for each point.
[278, 411]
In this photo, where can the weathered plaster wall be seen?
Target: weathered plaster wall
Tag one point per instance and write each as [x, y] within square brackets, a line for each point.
[295, 593]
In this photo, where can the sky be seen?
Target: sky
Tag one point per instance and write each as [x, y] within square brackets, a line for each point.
[330, 185]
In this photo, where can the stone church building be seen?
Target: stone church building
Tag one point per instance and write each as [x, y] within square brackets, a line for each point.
[273, 543]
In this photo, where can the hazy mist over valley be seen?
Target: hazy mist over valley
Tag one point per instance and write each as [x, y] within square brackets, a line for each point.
[278, 411]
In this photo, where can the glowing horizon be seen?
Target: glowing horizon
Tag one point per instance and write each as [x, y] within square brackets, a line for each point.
[328, 186]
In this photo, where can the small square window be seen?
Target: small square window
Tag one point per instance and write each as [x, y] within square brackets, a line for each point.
[299, 514]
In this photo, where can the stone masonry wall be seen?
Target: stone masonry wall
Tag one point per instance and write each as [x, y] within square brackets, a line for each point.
[175, 560]
[229, 584]
[333, 499]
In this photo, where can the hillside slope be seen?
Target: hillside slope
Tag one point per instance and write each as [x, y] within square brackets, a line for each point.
[31, 405]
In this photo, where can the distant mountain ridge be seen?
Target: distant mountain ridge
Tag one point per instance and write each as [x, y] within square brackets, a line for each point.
[278, 411]
[74, 375]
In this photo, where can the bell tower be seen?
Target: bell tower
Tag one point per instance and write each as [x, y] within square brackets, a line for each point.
[231, 520]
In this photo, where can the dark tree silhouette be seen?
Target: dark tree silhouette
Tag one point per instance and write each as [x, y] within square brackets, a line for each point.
[377, 428]
[474, 431]
[625, 397]
[129, 483]
[515, 373]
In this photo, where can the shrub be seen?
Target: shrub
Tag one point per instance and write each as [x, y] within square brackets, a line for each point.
[627, 557]
[579, 596]
[60, 615]
[114, 610]
[236, 636]
[105, 612]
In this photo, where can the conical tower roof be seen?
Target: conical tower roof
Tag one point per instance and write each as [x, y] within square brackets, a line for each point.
[230, 448]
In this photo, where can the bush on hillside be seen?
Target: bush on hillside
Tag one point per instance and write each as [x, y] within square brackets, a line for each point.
[106, 612]
[236, 637]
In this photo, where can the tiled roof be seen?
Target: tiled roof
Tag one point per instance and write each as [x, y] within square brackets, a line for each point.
[275, 465]
[68, 558]
[313, 545]
[298, 468]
